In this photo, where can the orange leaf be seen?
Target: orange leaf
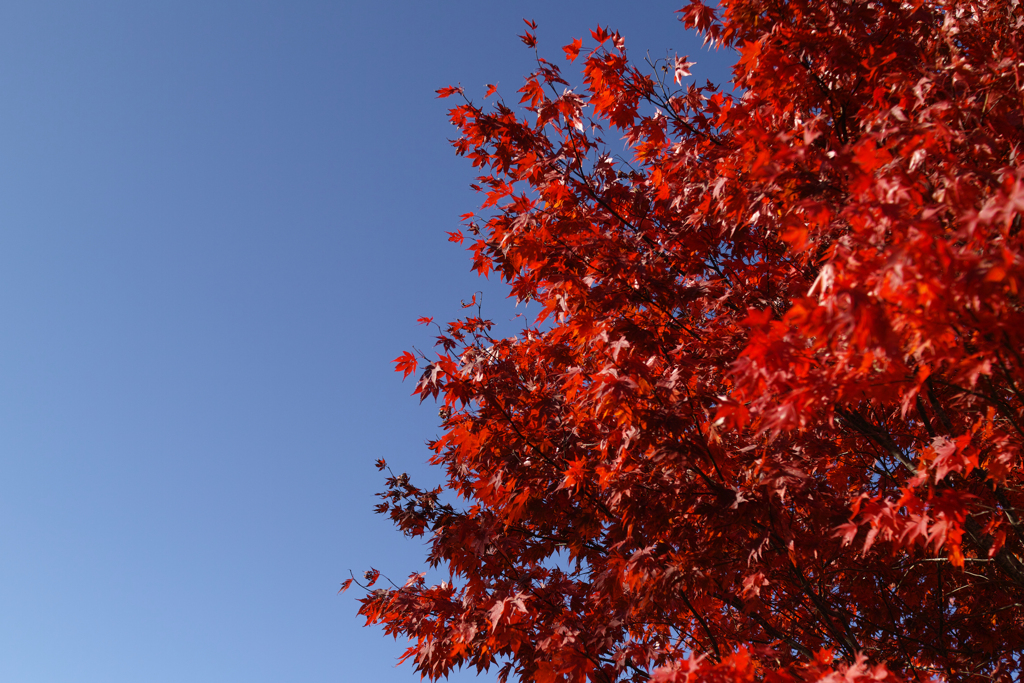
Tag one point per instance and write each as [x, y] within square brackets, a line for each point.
[572, 50]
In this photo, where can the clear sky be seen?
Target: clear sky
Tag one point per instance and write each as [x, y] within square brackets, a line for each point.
[218, 223]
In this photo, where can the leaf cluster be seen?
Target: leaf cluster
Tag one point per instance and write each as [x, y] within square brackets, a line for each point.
[767, 425]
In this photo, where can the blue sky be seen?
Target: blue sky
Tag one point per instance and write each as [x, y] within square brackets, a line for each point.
[218, 224]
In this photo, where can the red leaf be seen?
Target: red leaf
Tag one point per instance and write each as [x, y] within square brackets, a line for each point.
[448, 91]
[406, 364]
[572, 50]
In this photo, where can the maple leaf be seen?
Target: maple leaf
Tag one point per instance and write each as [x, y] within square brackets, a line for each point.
[572, 50]
[448, 91]
[406, 364]
[529, 39]
[681, 68]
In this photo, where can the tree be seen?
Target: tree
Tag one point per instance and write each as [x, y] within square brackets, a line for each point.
[768, 423]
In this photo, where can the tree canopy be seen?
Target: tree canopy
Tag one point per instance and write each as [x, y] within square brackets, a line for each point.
[768, 422]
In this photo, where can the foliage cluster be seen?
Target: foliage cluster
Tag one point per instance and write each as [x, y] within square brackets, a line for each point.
[768, 424]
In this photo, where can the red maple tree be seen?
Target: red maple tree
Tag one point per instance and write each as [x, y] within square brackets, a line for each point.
[768, 423]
